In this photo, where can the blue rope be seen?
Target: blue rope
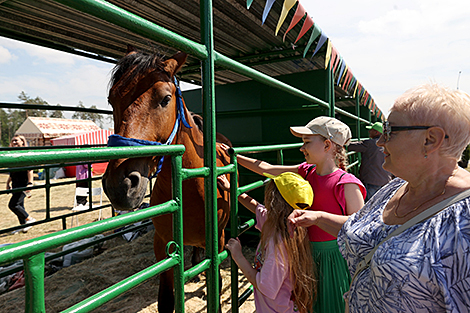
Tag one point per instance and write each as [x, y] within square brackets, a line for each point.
[120, 141]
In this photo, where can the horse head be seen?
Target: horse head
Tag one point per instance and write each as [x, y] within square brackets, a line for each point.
[143, 95]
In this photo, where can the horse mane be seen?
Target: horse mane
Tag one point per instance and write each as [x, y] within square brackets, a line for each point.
[137, 63]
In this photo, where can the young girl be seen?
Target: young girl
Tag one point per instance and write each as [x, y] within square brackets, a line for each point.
[336, 192]
[283, 276]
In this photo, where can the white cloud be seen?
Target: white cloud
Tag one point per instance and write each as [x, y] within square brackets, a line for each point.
[5, 55]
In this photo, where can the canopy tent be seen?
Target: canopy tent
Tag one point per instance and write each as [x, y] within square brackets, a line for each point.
[99, 137]
[90, 138]
[39, 131]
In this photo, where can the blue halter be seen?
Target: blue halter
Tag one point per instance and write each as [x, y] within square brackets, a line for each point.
[120, 141]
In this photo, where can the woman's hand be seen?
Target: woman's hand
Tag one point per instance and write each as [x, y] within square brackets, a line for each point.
[302, 218]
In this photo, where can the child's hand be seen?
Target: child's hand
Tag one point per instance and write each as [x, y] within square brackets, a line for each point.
[223, 182]
[301, 218]
[235, 247]
[224, 148]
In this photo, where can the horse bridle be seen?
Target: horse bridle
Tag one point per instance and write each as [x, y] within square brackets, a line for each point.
[120, 141]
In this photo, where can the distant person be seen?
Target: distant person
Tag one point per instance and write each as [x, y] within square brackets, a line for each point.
[371, 172]
[282, 276]
[20, 179]
[81, 172]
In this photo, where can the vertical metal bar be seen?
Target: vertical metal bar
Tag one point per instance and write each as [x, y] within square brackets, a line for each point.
[358, 122]
[208, 101]
[177, 180]
[280, 157]
[34, 281]
[48, 192]
[330, 91]
[90, 186]
[234, 232]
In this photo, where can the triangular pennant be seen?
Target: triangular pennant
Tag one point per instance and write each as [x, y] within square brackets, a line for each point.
[299, 13]
[321, 41]
[334, 57]
[339, 60]
[248, 3]
[267, 8]
[307, 24]
[343, 65]
[288, 4]
[316, 31]
[328, 54]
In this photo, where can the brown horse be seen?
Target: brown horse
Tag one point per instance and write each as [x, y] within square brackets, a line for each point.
[145, 108]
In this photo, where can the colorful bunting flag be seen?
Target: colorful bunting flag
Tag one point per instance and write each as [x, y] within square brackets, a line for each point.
[328, 54]
[288, 4]
[308, 23]
[321, 41]
[298, 15]
[248, 3]
[267, 8]
[315, 33]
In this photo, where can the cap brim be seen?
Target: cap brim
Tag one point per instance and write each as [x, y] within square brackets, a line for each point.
[369, 127]
[269, 175]
[300, 130]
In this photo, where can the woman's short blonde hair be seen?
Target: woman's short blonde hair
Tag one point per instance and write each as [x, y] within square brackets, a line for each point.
[435, 105]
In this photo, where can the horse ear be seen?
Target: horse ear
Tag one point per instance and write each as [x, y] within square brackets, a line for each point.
[130, 49]
[173, 64]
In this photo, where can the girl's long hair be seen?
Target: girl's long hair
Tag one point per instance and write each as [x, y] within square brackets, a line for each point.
[298, 247]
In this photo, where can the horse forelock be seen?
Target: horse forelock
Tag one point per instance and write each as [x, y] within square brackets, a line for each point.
[134, 65]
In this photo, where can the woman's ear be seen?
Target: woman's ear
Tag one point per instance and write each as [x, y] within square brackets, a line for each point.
[435, 137]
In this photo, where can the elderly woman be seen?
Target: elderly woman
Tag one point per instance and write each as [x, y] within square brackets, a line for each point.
[426, 267]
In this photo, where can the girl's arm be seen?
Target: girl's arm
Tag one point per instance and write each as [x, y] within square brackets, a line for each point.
[236, 252]
[247, 201]
[354, 199]
[8, 182]
[331, 223]
[261, 167]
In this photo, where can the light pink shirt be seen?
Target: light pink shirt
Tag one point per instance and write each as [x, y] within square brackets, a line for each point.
[273, 278]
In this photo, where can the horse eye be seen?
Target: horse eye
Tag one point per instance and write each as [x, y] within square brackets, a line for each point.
[165, 101]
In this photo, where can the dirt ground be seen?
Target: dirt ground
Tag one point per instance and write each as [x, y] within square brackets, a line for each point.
[118, 261]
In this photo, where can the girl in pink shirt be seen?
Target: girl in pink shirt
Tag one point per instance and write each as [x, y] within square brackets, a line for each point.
[282, 275]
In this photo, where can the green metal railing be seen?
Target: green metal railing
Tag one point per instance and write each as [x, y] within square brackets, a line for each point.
[205, 52]
[32, 251]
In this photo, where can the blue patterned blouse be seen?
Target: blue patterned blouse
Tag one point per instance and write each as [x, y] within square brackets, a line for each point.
[424, 269]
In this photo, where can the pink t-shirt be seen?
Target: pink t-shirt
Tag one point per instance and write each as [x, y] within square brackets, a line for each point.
[329, 197]
[275, 287]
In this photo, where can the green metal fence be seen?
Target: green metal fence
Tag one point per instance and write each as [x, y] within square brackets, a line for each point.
[32, 251]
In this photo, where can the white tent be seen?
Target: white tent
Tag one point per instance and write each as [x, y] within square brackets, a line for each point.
[38, 131]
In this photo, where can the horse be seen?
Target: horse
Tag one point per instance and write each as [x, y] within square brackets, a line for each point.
[148, 109]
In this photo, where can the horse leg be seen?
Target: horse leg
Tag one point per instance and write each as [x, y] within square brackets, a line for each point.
[166, 297]
[196, 258]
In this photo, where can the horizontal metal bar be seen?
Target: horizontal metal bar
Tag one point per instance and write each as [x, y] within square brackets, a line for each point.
[252, 186]
[119, 288]
[188, 173]
[263, 78]
[23, 158]
[118, 16]
[352, 164]
[245, 226]
[245, 295]
[23, 106]
[196, 270]
[258, 149]
[33, 246]
[226, 169]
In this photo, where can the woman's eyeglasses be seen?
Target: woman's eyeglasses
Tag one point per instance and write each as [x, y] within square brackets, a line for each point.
[387, 129]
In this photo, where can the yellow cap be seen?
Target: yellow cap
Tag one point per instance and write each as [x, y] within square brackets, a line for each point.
[294, 189]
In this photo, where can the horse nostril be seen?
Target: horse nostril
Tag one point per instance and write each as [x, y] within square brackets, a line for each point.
[134, 177]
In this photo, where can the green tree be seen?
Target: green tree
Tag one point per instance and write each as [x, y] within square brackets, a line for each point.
[56, 113]
[95, 117]
[25, 99]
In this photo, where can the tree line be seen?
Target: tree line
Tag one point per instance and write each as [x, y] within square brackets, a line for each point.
[12, 119]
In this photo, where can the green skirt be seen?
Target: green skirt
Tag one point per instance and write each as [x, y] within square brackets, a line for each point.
[333, 277]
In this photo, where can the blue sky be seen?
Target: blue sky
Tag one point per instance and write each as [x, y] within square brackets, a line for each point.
[390, 46]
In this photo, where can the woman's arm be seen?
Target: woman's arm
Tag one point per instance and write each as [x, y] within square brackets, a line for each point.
[354, 199]
[9, 182]
[331, 223]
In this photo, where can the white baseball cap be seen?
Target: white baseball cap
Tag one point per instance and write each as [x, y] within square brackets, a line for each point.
[328, 127]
